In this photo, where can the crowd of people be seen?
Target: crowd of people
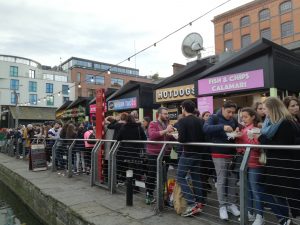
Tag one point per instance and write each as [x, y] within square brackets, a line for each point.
[273, 174]
[272, 183]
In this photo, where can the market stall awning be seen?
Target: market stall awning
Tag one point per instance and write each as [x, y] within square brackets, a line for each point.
[128, 87]
[33, 113]
[64, 106]
[80, 100]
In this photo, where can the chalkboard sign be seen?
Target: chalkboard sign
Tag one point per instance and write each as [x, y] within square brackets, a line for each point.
[37, 160]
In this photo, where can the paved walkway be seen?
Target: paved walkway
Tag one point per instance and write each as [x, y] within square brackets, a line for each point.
[96, 205]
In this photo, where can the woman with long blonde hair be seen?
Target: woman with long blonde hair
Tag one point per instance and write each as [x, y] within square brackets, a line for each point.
[278, 129]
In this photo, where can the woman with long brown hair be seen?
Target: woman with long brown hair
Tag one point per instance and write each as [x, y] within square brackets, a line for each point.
[278, 129]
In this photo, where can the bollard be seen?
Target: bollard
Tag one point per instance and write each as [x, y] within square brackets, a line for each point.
[129, 188]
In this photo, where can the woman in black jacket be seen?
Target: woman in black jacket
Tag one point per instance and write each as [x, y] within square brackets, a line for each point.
[130, 152]
[278, 129]
[292, 104]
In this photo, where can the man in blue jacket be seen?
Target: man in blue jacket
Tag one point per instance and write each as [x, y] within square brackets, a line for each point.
[217, 127]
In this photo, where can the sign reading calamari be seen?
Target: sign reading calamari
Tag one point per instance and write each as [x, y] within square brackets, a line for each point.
[232, 82]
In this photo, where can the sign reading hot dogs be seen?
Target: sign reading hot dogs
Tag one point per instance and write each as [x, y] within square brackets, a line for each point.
[175, 93]
[232, 82]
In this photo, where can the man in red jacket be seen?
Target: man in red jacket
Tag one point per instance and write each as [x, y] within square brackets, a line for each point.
[158, 131]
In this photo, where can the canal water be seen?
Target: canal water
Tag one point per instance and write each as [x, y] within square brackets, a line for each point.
[13, 211]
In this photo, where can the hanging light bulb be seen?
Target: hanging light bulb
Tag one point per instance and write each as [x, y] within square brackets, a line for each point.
[79, 85]
[92, 80]
[69, 90]
[44, 99]
[58, 93]
[108, 71]
[39, 100]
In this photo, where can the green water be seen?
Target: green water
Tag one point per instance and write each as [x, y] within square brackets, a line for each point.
[13, 211]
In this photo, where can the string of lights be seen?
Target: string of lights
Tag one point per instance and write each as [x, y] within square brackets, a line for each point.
[131, 56]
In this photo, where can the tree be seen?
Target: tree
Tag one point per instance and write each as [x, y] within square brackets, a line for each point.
[155, 76]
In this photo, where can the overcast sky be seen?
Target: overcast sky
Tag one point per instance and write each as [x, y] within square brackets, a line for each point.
[107, 31]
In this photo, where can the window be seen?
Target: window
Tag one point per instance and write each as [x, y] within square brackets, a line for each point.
[97, 66]
[13, 72]
[246, 40]
[50, 100]
[99, 80]
[49, 88]
[245, 21]
[78, 77]
[33, 99]
[13, 99]
[227, 27]
[65, 89]
[32, 86]
[264, 14]
[48, 76]
[287, 29]
[228, 45]
[117, 82]
[266, 33]
[285, 7]
[32, 74]
[91, 92]
[65, 99]
[61, 78]
[90, 79]
[14, 84]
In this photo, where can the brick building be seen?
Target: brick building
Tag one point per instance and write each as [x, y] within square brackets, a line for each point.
[90, 75]
[276, 20]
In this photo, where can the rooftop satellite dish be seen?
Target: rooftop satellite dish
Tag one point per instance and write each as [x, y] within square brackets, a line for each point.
[192, 45]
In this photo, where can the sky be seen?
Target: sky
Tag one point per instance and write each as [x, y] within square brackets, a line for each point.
[51, 31]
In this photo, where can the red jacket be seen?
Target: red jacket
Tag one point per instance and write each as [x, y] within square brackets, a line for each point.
[153, 131]
[255, 152]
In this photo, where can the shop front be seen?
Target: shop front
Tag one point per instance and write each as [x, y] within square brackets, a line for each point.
[132, 96]
[256, 72]
[77, 111]
[172, 91]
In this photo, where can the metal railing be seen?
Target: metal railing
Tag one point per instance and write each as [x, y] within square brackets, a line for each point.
[110, 182]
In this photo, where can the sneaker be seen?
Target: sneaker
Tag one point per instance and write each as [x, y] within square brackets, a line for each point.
[296, 220]
[192, 210]
[223, 213]
[233, 209]
[285, 221]
[251, 217]
[259, 220]
[149, 199]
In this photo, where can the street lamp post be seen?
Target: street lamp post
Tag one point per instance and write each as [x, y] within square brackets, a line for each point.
[17, 109]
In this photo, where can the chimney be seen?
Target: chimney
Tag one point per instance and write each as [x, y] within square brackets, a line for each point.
[177, 67]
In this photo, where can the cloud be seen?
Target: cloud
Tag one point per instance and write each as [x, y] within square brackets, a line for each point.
[107, 31]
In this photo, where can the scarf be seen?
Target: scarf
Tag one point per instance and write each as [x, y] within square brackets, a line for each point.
[269, 129]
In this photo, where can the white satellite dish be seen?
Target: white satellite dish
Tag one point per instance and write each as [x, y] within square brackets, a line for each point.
[192, 45]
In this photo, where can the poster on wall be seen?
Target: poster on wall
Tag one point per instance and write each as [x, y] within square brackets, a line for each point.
[122, 104]
[205, 104]
[232, 82]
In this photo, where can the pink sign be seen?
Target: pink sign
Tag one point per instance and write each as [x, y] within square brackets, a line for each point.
[232, 82]
[93, 108]
[205, 104]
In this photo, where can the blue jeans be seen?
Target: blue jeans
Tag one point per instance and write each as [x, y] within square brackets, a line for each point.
[255, 190]
[278, 205]
[191, 165]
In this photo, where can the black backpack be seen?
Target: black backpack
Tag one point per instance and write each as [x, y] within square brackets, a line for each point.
[91, 136]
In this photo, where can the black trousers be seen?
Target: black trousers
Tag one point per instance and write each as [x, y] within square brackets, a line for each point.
[152, 172]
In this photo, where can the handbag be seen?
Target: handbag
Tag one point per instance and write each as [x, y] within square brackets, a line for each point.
[263, 157]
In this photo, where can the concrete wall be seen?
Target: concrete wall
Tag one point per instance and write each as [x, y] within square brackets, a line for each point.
[47, 209]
